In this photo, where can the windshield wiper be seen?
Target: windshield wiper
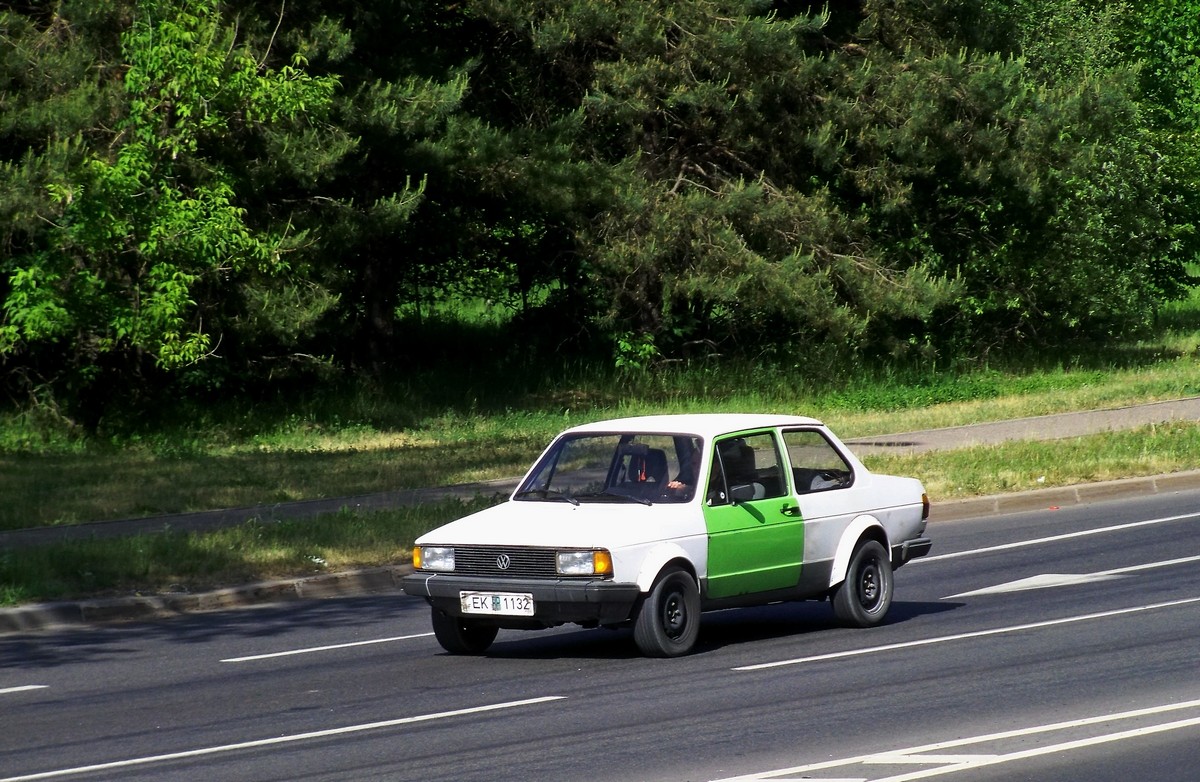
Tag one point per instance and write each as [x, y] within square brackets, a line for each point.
[615, 493]
[547, 494]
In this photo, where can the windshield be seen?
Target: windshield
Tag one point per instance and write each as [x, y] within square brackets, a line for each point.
[616, 467]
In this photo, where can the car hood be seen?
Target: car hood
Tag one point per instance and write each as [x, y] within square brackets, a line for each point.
[563, 525]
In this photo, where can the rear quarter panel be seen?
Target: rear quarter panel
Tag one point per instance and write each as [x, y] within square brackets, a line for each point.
[834, 520]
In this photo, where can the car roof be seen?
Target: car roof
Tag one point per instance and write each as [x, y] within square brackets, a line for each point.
[706, 425]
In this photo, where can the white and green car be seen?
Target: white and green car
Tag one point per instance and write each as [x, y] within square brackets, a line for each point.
[650, 521]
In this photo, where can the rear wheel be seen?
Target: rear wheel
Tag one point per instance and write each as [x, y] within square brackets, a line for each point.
[863, 599]
[669, 618]
[462, 636]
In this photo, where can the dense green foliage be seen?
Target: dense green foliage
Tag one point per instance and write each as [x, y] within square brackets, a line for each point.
[201, 195]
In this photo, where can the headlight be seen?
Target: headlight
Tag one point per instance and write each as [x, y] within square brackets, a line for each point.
[585, 563]
[439, 558]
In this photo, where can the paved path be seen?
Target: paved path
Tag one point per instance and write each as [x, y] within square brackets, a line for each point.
[1045, 427]
[201, 521]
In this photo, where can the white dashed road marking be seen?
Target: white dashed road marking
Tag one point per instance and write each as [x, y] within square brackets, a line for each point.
[310, 650]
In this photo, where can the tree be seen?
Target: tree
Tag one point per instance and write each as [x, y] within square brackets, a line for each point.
[1040, 199]
[211, 191]
[144, 233]
[715, 221]
[413, 212]
[1163, 39]
[871, 174]
[1089, 241]
[58, 91]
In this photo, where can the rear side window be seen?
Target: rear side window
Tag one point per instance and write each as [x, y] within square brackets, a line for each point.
[816, 465]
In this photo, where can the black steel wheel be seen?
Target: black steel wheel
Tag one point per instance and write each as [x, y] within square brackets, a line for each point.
[462, 636]
[668, 620]
[863, 599]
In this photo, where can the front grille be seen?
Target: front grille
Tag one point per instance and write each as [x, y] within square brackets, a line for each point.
[522, 562]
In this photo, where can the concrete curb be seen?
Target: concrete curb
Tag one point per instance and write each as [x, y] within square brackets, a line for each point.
[386, 580]
[1079, 494]
[44, 616]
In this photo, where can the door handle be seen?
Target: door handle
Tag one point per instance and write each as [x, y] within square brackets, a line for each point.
[790, 510]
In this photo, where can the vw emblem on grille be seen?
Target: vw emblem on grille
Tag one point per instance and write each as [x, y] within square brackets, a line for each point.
[503, 561]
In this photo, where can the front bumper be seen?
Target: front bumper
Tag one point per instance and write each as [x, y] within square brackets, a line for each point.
[556, 601]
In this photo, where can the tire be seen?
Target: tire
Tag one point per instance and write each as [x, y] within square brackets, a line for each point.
[863, 599]
[668, 619]
[462, 636]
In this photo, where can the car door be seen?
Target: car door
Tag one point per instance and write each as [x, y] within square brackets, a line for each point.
[755, 534]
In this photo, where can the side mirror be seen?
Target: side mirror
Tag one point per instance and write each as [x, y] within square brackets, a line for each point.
[743, 492]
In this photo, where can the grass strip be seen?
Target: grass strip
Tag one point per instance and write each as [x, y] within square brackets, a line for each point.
[301, 458]
[1025, 465]
[191, 562]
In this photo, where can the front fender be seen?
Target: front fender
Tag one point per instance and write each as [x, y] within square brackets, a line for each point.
[853, 533]
[657, 558]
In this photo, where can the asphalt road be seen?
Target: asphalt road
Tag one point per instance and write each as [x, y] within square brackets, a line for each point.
[1054, 645]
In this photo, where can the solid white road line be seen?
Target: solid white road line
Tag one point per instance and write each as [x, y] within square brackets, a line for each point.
[1018, 733]
[908, 758]
[1052, 539]
[23, 688]
[1054, 749]
[964, 636]
[323, 648]
[1148, 566]
[317, 734]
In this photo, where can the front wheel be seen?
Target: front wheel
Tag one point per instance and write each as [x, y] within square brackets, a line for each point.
[462, 636]
[668, 620]
[863, 599]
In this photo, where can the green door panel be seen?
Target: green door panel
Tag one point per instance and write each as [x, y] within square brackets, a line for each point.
[753, 547]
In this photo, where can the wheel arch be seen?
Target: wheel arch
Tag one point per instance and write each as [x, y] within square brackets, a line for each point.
[865, 527]
[659, 560]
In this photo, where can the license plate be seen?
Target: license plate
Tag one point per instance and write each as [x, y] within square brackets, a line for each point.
[496, 603]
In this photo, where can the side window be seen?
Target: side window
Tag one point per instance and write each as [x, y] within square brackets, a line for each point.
[750, 460]
[816, 465]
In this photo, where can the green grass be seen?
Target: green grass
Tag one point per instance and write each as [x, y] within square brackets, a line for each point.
[108, 483]
[1026, 465]
[189, 562]
[312, 454]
